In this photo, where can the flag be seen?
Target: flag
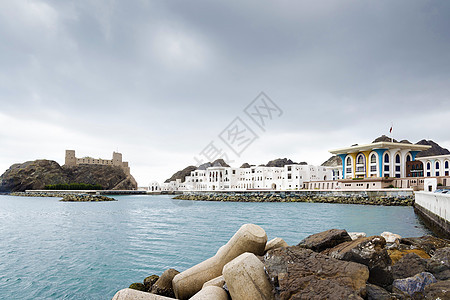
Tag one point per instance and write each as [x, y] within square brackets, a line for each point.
[390, 130]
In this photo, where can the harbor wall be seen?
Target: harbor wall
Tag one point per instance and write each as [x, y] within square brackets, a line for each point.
[394, 197]
[434, 208]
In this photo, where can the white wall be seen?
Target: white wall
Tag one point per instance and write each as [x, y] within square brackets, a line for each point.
[437, 203]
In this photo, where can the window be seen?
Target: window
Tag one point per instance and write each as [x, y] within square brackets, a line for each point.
[360, 159]
[289, 168]
[446, 165]
[397, 159]
[349, 161]
[408, 158]
[428, 166]
[373, 159]
[437, 165]
[386, 158]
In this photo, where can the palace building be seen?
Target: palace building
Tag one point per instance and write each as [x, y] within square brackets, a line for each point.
[434, 166]
[380, 159]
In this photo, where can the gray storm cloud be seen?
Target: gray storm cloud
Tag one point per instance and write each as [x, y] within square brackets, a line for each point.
[161, 79]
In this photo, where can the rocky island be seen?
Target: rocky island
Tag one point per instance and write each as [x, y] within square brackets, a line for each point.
[333, 264]
[66, 196]
[35, 175]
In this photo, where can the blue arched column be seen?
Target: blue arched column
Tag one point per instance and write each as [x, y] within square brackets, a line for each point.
[380, 153]
[343, 156]
[413, 154]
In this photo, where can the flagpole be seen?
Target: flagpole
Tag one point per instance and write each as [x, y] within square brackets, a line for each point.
[392, 136]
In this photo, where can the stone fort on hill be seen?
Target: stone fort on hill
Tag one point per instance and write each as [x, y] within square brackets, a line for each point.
[71, 161]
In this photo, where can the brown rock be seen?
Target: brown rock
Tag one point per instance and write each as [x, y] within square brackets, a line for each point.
[375, 292]
[326, 239]
[439, 264]
[368, 251]
[438, 290]
[428, 243]
[163, 286]
[408, 266]
[298, 273]
[150, 281]
[397, 254]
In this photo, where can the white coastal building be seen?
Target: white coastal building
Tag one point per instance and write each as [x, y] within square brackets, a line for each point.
[435, 166]
[218, 178]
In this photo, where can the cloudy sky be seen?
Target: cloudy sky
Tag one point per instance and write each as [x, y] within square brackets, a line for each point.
[160, 80]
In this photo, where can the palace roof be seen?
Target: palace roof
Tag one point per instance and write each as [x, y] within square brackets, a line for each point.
[380, 145]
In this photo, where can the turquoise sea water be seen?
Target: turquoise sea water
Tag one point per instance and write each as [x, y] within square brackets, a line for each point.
[62, 250]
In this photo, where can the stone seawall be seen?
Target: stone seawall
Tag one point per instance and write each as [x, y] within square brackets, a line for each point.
[387, 198]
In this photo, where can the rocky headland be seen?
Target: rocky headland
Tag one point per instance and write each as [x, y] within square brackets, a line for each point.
[333, 264]
[386, 198]
[35, 175]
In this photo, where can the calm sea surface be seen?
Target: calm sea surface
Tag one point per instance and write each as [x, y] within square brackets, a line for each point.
[62, 250]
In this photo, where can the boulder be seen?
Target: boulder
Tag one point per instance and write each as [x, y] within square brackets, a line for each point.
[163, 286]
[374, 292]
[413, 284]
[130, 294]
[368, 251]
[246, 278]
[439, 264]
[408, 266]
[137, 286]
[428, 243]
[391, 237]
[324, 240]
[356, 235]
[249, 238]
[218, 281]
[397, 254]
[149, 281]
[299, 273]
[210, 293]
[275, 243]
[434, 291]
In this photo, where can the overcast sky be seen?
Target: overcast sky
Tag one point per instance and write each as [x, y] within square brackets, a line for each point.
[159, 80]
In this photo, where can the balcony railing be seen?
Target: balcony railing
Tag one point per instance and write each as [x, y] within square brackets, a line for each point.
[360, 169]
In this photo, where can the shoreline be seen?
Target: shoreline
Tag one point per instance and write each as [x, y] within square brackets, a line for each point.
[384, 198]
[329, 264]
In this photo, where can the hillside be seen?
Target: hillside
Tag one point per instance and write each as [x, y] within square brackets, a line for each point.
[187, 171]
[37, 174]
[334, 161]
[434, 150]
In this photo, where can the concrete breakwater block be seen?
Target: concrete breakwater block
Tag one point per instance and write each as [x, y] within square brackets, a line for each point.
[211, 292]
[246, 278]
[218, 281]
[274, 244]
[130, 294]
[249, 238]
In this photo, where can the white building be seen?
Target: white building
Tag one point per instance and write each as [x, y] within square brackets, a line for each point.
[218, 178]
[435, 166]
[154, 187]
